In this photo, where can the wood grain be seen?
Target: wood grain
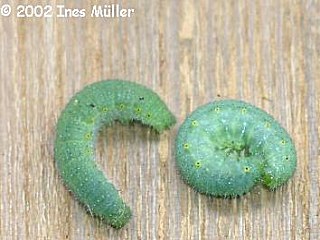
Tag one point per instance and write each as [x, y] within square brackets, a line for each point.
[190, 52]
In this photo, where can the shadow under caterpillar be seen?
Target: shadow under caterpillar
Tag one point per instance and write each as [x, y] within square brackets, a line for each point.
[97, 105]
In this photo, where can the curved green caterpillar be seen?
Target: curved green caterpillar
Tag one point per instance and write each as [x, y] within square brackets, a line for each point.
[225, 147]
[100, 104]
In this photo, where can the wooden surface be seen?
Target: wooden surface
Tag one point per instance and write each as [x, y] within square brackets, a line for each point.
[190, 53]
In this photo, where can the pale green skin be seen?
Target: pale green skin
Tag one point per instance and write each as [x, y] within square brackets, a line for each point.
[225, 147]
[96, 105]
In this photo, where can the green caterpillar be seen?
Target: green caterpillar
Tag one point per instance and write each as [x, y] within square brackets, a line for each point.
[96, 105]
[225, 147]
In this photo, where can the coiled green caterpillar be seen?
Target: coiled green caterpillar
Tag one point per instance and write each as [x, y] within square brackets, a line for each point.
[225, 147]
[96, 105]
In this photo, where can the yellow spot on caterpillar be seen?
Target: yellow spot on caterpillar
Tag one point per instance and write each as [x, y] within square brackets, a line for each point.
[217, 109]
[194, 123]
[186, 146]
[138, 110]
[149, 115]
[105, 109]
[121, 106]
[244, 110]
[286, 158]
[283, 142]
[197, 164]
[88, 136]
[246, 169]
[88, 152]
